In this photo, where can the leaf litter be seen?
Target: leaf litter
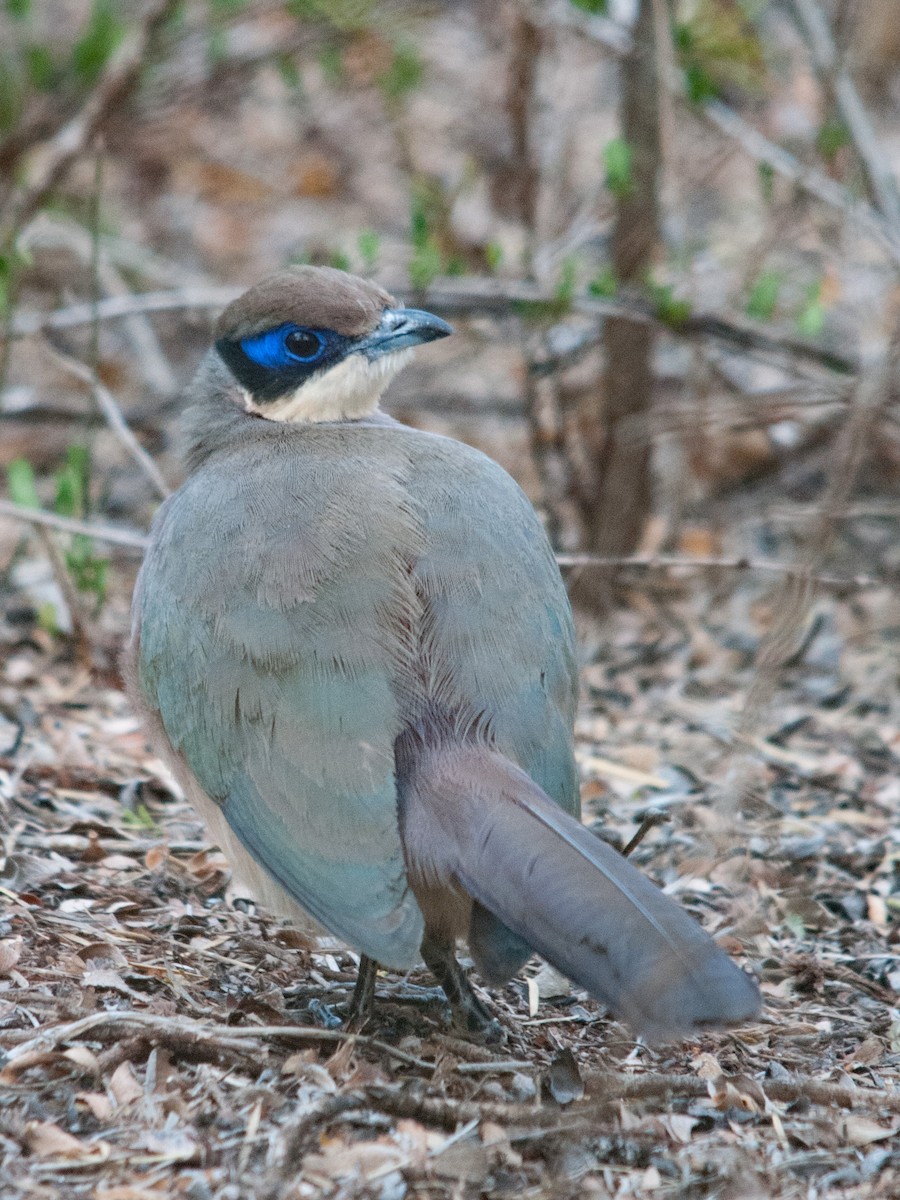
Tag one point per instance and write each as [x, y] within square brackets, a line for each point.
[164, 1036]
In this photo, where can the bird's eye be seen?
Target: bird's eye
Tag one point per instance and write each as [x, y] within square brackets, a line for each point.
[304, 344]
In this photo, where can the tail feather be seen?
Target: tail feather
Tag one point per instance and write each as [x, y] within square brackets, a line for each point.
[472, 818]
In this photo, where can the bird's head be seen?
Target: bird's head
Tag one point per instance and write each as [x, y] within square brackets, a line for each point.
[315, 344]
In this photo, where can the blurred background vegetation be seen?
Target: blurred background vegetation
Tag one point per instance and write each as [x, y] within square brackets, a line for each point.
[668, 232]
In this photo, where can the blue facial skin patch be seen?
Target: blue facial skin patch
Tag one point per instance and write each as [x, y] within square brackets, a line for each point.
[273, 351]
[277, 361]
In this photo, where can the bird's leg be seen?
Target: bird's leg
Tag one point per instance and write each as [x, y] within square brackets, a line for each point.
[362, 1002]
[469, 1014]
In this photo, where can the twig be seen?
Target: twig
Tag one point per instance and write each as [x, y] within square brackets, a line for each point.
[615, 1086]
[110, 308]
[114, 418]
[95, 529]
[757, 145]
[837, 79]
[794, 596]
[487, 1068]
[667, 562]
[814, 183]
[607, 1088]
[118, 79]
[132, 539]
[653, 818]
[146, 350]
[179, 1031]
[471, 295]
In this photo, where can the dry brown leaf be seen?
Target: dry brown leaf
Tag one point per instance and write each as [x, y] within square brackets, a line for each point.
[124, 1086]
[46, 1140]
[106, 979]
[98, 1103]
[564, 1078]
[83, 1057]
[361, 1160]
[156, 856]
[860, 1131]
[10, 953]
[33, 1058]
[707, 1066]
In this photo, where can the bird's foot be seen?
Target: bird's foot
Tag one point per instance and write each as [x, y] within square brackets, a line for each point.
[471, 1016]
[362, 1002]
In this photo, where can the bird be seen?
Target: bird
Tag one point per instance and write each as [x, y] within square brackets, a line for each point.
[352, 644]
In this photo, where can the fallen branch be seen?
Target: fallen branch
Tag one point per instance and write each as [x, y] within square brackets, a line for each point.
[609, 1088]
[178, 1031]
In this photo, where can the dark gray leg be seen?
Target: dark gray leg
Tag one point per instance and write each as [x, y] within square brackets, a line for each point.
[362, 1002]
[470, 1016]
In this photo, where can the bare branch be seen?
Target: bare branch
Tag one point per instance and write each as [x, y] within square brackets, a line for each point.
[95, 529]
[471, 295]
[672, 562]
[839, 82]
[757, 145]
[114, 85]
[114, 418]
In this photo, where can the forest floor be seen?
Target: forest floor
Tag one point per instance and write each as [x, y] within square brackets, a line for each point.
[162, 1036]
[165, 1037]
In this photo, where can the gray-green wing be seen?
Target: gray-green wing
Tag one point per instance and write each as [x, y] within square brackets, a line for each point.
[271, 626]
[499, 635]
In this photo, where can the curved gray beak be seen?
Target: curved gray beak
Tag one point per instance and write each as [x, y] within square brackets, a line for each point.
[400, 327]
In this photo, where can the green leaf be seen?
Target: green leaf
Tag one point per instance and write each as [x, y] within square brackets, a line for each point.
[46, 618]
[13, 87]
[767, 181]
[669, 309]
[699, 84]
[332, 63]
[403, 75]
[18, 8]
[139, 818]
[763, 298]
[89, 573]
[369, 245]
[604, 285]
[216, 47]
[72, 483]
[493, 256]
[347, 15]
[719, 48]
[41, 67]
[21, 485]
[104, 32]
[617, 156]
[811, 317]
[289, 71]
[426, 263]
[565, 285]
[339, 260]
[832, 137]
[596, 8]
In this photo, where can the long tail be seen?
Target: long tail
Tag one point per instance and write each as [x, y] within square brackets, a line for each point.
[474, 820]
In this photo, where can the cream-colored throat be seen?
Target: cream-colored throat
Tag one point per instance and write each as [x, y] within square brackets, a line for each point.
[351, 388]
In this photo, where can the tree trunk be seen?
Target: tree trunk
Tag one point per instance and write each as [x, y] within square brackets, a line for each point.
[617, 513]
